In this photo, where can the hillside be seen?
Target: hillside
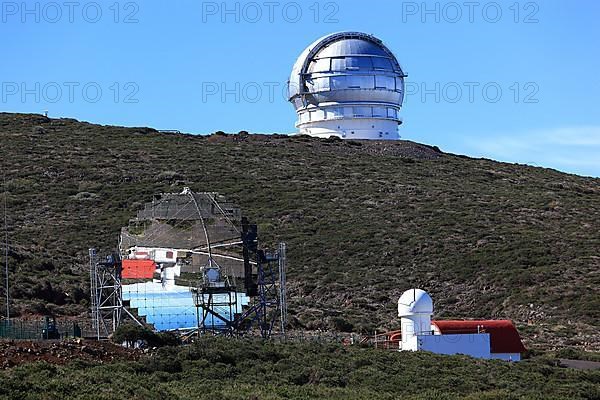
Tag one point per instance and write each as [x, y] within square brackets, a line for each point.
[363, 221]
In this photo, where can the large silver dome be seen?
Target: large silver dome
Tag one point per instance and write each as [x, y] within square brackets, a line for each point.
[347, 84]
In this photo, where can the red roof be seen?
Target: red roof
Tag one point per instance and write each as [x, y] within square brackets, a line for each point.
[504, 337]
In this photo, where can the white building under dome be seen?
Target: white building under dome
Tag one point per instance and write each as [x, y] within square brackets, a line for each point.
[349, 85]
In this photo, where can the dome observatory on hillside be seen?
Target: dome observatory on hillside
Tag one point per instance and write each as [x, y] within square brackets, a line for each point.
[490, 339]
[349, 85]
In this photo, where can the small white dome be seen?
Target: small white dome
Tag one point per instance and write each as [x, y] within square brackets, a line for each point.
[414, 301]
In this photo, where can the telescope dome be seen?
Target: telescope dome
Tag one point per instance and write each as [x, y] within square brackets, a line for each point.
[350, 85]
[413, 302]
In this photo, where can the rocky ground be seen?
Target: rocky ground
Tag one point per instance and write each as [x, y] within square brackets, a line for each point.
[18, 352]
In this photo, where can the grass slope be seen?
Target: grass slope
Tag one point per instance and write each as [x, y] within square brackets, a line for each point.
[363, 222]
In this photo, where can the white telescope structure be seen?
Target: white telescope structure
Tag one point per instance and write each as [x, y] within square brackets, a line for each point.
[349, 85]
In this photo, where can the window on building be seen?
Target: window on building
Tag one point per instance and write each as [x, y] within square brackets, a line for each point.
[352, 63]
[382, 63]
[335, 112]
[379, 112]
[320, 65]
[359, 63]
[321, 84]
[399, 84]
[362, 111]
[384, 82]
[338, 64]
[361, 82]
[338, 82]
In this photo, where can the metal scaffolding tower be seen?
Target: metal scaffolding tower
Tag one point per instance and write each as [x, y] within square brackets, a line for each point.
[106, 295]
[215, 308]
[6, 277]
[282, 287]
[270, 304]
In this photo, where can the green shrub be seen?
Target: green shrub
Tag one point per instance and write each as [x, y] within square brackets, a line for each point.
[130, 333]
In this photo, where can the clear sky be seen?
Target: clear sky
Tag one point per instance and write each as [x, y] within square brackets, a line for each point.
[508, 80]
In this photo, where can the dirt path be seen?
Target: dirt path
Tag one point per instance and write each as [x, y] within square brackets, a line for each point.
[579, 364]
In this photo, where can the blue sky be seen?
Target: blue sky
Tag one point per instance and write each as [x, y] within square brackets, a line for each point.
[512, 81]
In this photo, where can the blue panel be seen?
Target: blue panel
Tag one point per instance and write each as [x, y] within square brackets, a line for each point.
[169, 308]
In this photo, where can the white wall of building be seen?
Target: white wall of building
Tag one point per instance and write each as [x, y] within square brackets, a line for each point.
[416, 324]
[158, 254]
[360, 128]
[474, 345]
[409, 343]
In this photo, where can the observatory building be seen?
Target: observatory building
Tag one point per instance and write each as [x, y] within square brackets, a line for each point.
[491, 339]
[349, 85]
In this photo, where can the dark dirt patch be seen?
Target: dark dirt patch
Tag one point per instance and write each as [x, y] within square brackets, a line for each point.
[16, 352]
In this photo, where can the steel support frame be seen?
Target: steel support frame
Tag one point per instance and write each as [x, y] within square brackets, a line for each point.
[106, 292]
[270, 303]
[206, 305]
[283, 308]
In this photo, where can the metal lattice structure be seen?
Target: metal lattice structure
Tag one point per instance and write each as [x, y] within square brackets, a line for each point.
[6, 276]
[106, 295]
[270, 304]
[283, 308]
[266, 286]
[209, 301]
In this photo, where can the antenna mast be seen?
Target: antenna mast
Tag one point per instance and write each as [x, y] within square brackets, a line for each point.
[6, 251]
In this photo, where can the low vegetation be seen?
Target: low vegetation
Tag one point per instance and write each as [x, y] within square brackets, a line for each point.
[132, 335]
[250, 369]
